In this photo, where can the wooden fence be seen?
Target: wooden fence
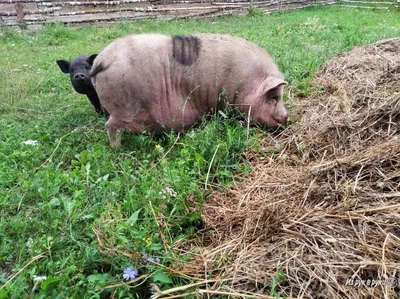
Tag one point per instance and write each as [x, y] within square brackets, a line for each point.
[371, 4]
[28, 13]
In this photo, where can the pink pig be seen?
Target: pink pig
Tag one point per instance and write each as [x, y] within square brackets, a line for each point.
[156, 82]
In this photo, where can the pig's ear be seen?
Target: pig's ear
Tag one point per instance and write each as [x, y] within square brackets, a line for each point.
[64, 66]
[92, 58]
[273, 82]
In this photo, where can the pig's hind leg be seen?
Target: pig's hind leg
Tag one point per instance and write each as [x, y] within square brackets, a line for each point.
[113, 126]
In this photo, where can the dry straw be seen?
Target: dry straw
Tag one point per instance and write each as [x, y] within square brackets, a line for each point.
[326, 208]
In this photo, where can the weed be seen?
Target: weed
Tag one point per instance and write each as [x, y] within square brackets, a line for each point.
[255, 12]
[276, 280]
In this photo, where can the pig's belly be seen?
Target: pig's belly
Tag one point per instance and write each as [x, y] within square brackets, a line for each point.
[177, 115]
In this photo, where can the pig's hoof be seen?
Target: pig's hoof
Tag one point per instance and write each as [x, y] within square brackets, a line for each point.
[115, 145]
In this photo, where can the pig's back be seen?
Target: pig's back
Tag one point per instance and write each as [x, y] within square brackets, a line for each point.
[232, 64]
[134, 66]
[236, 55]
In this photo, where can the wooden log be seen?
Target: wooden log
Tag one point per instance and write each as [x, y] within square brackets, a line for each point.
[242, 2]
[89, 3]
[12, 21]
[367, 7]
[30, 12]
[203, 15]
[325, 3]
[272, 10]
[368, 2]
[287, 7]
[11, 6]
[221, 13]
[189, 1]
[92, 8]
[261, 3]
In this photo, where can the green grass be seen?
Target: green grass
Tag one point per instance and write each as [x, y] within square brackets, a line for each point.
[53, 195]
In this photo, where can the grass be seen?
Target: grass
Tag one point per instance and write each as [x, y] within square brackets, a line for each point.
[53, 195]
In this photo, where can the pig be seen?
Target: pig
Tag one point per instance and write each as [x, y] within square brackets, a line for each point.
[79, 69]
[155, 83]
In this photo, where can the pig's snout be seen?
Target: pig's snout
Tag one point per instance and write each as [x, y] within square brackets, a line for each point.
[280, 115]
[79, 77]
[282, 118]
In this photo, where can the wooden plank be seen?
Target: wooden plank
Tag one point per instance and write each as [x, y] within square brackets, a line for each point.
[260, 5]
[190, 1]
[9, 9]
[29, 12]
[96, 8]
[11, 6]
[89, 3]
[257, 2]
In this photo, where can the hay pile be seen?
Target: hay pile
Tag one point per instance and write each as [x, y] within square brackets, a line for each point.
[326, 208]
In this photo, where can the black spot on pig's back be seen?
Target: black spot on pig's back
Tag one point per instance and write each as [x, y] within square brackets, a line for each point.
[185, 49]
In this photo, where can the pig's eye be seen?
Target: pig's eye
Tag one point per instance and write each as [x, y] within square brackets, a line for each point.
[272, 100]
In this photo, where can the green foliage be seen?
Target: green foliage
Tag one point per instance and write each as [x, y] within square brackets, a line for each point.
[255, 12]
[276, 280]
[160, 276]
[54, 194]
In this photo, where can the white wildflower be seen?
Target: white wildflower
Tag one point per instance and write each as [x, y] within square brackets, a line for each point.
[39, 279]
[31, 142]
[29, 243]
[167, 192]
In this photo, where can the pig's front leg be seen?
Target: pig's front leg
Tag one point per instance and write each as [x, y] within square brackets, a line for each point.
[94, 99]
